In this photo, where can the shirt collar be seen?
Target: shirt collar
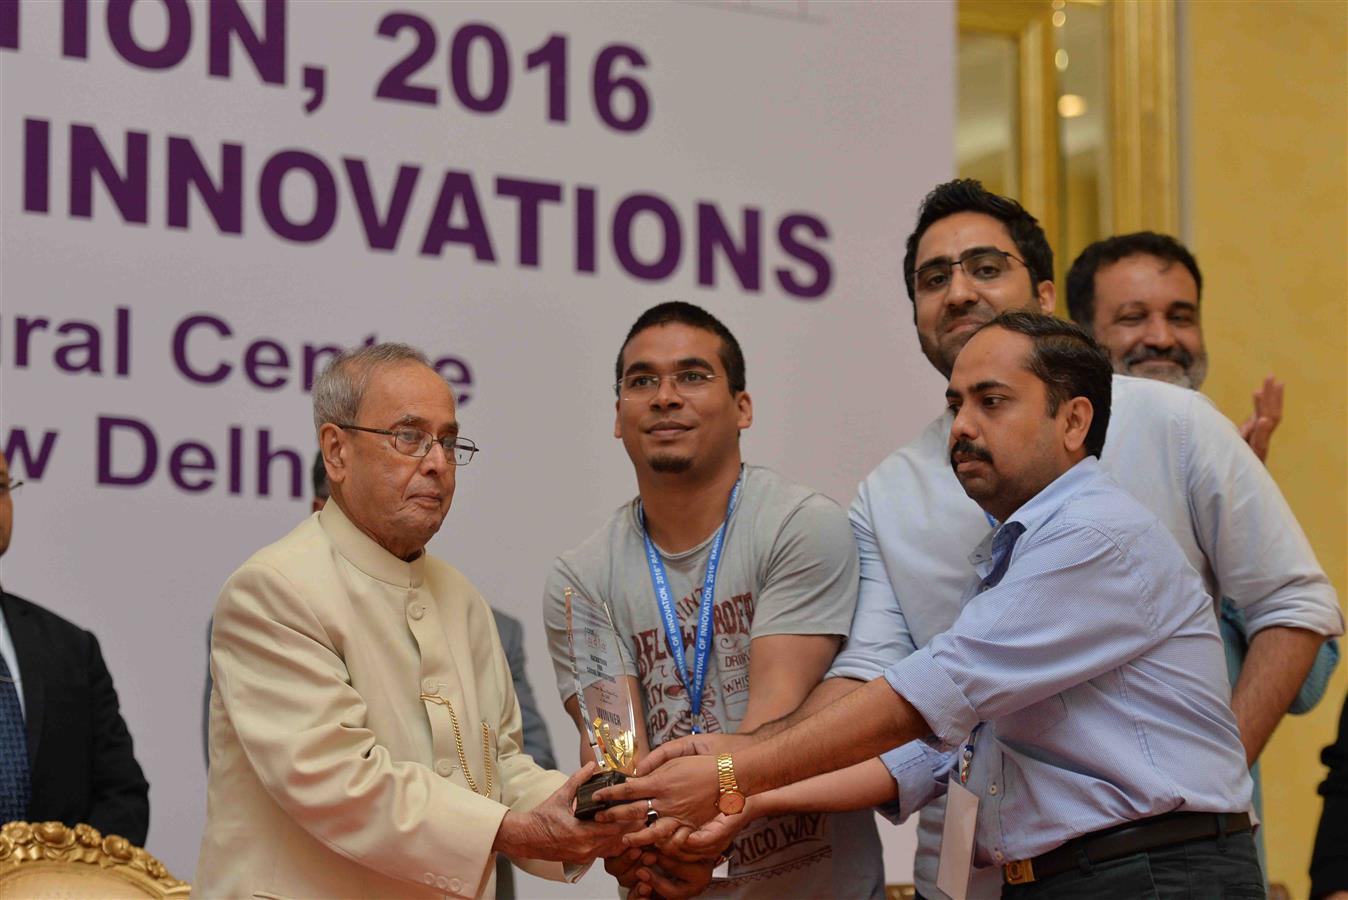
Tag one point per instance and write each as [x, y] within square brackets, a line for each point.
[989, 558]
[359, 549]
[1043, 505]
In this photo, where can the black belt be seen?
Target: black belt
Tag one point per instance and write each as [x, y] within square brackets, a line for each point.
[1125, 840]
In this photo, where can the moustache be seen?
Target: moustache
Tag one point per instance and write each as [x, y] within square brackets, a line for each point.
[969, 449]
[975, 311]
[1176, 354]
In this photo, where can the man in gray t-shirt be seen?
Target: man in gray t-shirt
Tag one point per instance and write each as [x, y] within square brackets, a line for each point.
[782, 597]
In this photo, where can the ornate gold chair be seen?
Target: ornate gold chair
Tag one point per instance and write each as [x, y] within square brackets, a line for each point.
[47, 861]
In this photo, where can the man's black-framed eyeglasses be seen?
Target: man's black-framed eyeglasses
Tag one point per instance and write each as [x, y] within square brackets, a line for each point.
[9, 487]
[411, 441]
[984, 265]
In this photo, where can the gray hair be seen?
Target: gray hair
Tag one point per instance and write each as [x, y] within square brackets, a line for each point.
[341, 387]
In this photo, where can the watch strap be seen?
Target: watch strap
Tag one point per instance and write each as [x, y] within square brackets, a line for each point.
[725, 774]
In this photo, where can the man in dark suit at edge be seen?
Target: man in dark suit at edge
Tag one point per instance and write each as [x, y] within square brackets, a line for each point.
[65, 752]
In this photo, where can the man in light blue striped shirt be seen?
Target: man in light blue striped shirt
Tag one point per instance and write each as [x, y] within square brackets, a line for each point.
[1085, 662]
[1080, 580]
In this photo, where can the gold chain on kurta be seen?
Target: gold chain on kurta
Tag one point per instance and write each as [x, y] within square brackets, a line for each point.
[458, 742]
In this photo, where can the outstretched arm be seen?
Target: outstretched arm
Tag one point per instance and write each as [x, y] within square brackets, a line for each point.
[853, 729]
[861, 786]
[824, 693]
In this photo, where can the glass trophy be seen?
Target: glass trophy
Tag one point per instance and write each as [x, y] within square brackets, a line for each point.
[606, 706]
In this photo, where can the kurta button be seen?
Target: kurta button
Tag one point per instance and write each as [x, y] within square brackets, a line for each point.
[429, 878]
[992, 789]
[417, 611]
[444, 767]
[429, 685]
[441, 882]
[997, 855]
[456, 885]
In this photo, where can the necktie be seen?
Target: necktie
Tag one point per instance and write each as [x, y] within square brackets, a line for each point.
[15, 788]
[1005, 542]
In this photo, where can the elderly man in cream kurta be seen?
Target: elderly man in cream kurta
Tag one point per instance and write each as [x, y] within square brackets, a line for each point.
[365, 738]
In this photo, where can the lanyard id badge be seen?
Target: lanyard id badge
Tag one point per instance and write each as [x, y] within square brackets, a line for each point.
[693, 682]
[957, 837]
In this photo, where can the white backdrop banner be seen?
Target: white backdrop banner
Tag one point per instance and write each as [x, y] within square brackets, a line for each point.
[203, 202]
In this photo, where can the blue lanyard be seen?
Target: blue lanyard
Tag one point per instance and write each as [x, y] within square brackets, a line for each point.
[673, 632]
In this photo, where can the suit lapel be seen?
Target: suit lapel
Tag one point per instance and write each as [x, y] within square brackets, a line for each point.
[28, 646]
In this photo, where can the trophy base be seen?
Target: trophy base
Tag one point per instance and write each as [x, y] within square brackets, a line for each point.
[586, 805]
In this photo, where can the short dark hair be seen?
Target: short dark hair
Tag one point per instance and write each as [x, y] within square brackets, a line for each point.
[318, 474]
[969, 195]
[1081, 277]
[1070, 363]
[676, 312]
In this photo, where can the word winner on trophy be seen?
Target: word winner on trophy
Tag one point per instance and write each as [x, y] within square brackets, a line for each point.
[606, 706]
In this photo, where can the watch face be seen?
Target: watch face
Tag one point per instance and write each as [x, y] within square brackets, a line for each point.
[730, 803]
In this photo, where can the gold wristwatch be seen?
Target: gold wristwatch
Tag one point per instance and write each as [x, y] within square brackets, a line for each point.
[731, 801]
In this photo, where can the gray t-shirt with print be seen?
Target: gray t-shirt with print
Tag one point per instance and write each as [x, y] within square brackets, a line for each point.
[789, 566]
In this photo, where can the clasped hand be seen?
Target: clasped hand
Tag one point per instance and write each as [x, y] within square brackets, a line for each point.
[667, 871]
[679, 780]
[551, 830]
[673, 856]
